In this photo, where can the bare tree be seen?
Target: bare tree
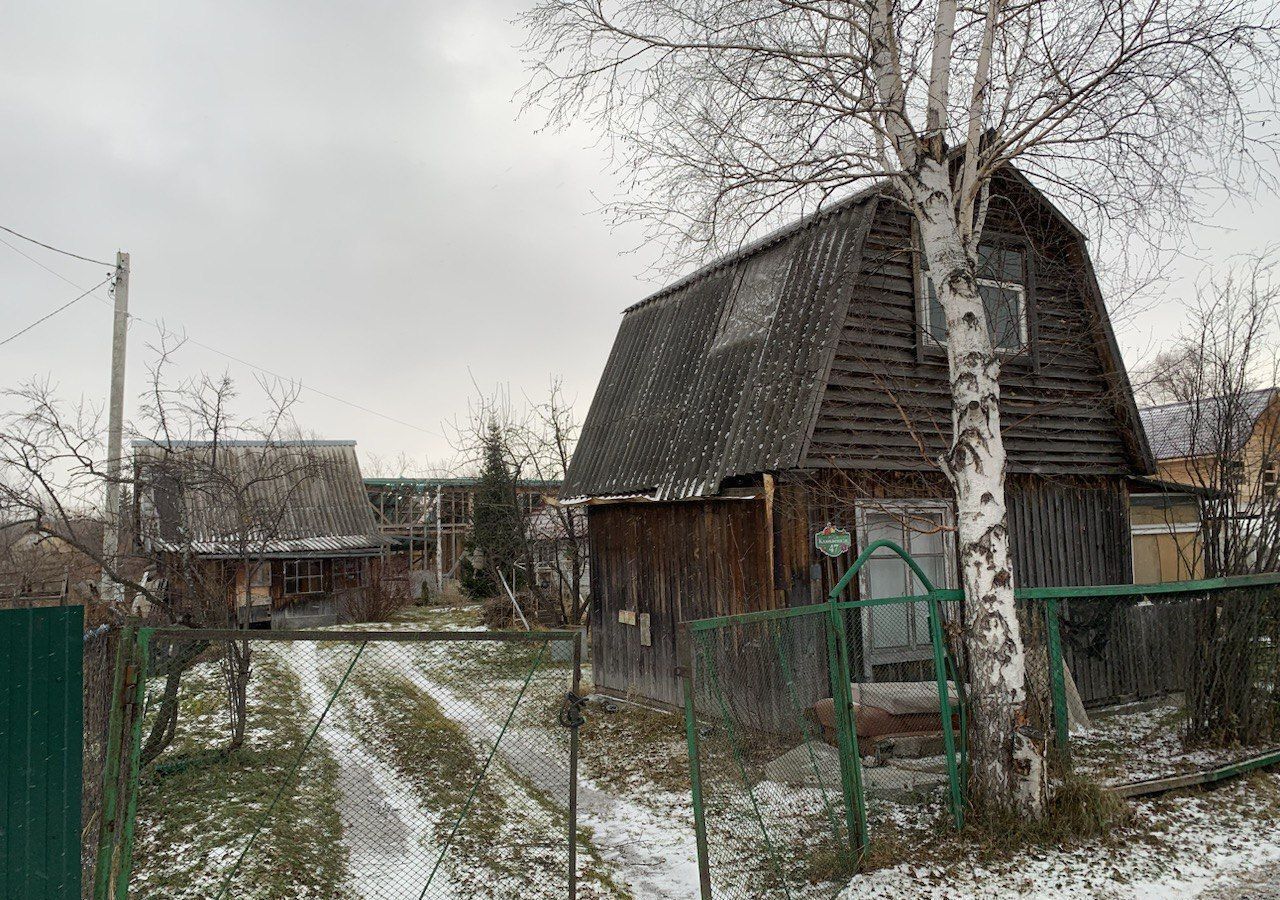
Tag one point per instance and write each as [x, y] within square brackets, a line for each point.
[52, 479]
[728, 116]
[1222, 371]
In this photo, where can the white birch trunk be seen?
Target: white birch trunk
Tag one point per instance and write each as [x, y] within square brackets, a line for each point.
[1007, 765]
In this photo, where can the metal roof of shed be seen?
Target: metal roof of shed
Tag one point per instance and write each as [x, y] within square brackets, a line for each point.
[677, 410]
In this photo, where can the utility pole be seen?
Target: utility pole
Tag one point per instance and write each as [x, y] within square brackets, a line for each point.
[108, 589]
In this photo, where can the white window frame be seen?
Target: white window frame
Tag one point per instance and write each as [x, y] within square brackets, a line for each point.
[904, 508]
[926, 283]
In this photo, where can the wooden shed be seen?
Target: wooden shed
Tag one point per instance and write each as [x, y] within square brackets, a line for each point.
[801, 382]
[283, 529]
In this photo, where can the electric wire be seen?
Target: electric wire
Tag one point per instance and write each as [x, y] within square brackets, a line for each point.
[244, 362]
[19, 234]
[47, 317]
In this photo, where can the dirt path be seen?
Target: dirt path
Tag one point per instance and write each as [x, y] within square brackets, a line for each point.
[387, 832]
[644, 851]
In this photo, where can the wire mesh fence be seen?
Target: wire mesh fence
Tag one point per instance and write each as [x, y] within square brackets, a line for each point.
[1192, 672]
[392, 766]
[814, 735]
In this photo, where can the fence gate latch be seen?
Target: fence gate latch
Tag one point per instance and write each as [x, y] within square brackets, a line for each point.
[571, 711]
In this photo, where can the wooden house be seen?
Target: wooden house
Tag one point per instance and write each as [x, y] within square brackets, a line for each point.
[801, 382]
[280, 532]
[1224, 451]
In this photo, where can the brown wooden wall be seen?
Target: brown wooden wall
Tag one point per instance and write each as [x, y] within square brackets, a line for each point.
[1060, 412]
[674, 561]
[695, 559]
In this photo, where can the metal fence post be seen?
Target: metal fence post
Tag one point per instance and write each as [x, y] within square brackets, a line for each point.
[944, 705]
[855, 808]
[575, 724]
[1057, 682]
[111, 769]
[686, 673]
[142, 651]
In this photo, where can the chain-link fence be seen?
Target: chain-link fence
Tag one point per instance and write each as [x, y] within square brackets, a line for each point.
[1185, 678]
[817, 735]
[383, 765]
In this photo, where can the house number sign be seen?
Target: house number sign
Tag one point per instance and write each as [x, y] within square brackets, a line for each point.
[833, 541]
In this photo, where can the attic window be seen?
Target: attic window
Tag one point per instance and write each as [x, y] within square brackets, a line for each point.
[755, 299]
[1002, 284]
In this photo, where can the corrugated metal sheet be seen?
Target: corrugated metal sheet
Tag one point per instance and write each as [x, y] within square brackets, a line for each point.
[841, 361]
[1178, 430]
[42, 744]
[304, 496]
[336, 545]
[701, 386]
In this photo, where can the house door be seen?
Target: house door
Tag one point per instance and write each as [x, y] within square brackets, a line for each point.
[895, 638]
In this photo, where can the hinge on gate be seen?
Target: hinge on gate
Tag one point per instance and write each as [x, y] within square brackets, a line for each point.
[130, 684]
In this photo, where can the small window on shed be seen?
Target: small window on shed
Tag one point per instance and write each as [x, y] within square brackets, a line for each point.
[755, 299]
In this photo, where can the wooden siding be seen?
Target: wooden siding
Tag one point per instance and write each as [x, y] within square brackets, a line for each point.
[887, 403]
[694, 559]
[673, 561]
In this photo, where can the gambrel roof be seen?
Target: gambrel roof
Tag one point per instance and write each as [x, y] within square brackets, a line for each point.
[723, 373]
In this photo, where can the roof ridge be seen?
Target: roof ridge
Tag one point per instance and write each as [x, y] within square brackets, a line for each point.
[777, 235]
[1171, 403]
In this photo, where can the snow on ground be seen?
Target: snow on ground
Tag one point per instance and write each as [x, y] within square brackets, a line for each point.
[1138, 741]
[388, 836]
[1179, 847]
[643, 850]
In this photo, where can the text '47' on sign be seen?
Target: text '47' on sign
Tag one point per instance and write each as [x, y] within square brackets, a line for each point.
[833, 541]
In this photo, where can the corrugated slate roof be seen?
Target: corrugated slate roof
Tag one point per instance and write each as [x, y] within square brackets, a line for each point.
[720, 373]
[1196, 428]
[277, 498]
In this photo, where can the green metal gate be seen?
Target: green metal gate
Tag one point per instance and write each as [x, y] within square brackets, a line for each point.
[787, 803]
[398, 765]
[41, 735]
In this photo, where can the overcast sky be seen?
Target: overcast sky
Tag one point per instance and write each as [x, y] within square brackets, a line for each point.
[341, 192]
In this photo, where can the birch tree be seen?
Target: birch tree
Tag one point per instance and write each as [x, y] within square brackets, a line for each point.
[730, 115]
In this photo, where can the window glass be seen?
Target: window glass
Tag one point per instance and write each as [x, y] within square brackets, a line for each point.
[1002, 286]
[882, 527]
[902, 632]
[303, 576]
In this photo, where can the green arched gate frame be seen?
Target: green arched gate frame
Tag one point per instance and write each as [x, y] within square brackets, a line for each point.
[777, 786]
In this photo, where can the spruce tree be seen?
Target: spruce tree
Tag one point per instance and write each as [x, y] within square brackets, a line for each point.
[496, 517]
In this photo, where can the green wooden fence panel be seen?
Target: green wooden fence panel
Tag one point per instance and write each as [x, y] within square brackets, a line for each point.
[41, 739]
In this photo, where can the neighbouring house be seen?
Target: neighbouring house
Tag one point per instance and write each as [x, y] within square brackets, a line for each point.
[802, 382]
[1164, 519]
[270, 533]
[1221, 443]
[1222, 450]
[431, 518]
[560, 552]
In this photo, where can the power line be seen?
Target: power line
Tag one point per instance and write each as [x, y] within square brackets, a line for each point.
[244, 362]
[49, 316]
[19, 234]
